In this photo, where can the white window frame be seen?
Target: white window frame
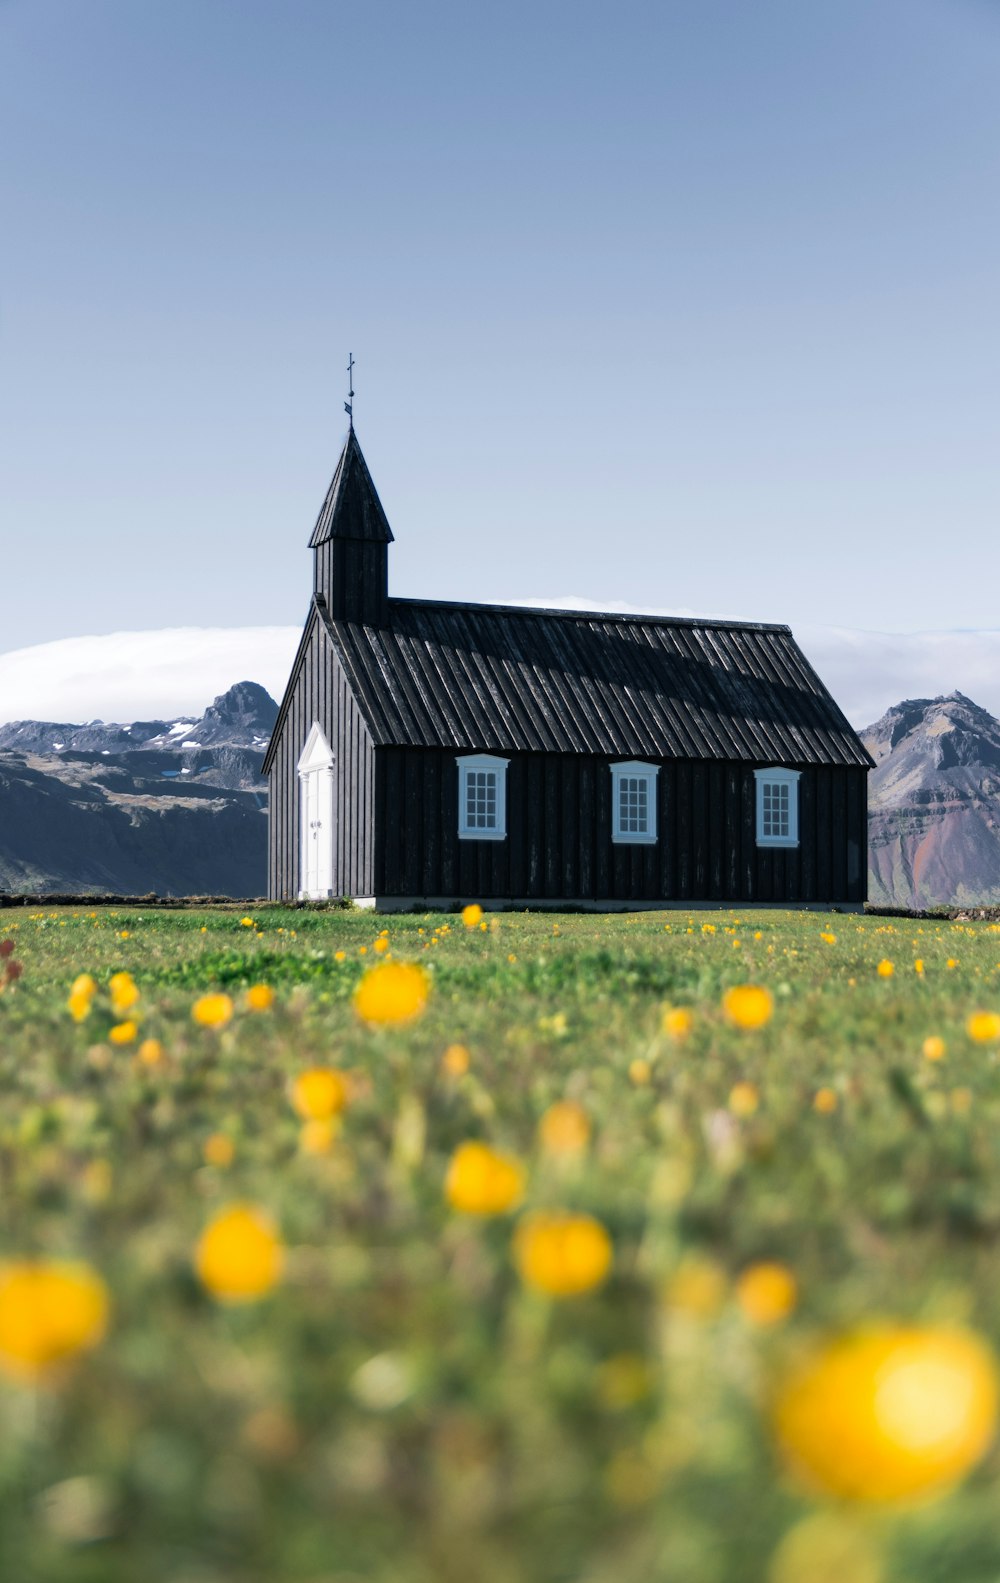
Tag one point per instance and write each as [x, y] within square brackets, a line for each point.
[778, 775]
[468, 764]
[634, 768]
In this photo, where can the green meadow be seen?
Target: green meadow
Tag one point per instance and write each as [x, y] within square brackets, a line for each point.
[401, 1407]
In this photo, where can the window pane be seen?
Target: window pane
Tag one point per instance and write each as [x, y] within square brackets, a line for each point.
[480, 799]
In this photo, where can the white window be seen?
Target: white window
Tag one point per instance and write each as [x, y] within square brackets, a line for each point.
[633, 802]
[777, 807]
[482, 797]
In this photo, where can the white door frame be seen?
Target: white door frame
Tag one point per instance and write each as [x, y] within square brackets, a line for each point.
[315, 769]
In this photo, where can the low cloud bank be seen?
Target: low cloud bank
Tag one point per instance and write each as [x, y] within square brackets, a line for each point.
[126, 676]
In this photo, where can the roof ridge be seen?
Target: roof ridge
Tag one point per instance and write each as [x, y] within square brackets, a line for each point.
[625, 616]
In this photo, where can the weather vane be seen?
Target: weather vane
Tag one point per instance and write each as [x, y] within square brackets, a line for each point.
[349, 403]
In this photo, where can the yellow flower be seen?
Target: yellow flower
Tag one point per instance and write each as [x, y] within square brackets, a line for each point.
[260, 997]
[560, 1254]
[482, 1182]
[885, 968]
[392, 993]
[123, 1032]
[49, 1311]
[952, 961]
[472, 915]
[218, 1150]
[79, 1005]
[889, 1412]
[340, 956]
[84, 984]
[564, 1128]
[748, 1005]
[934, 1047]
[744, 1099]
[676, 1022]
[319, 1093]
[767, 1292]
[239, 1256]
[831, 939]
[124, 992]
[212, 1011]
[381, 945]
[697, 1288]
[150, 1052]
[918, 965]
[455, 1060]
[317, 1137]
[247, 923]
[825, 1101]
[984, 1027]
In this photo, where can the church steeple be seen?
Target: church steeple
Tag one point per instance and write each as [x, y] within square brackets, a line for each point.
[350, 543]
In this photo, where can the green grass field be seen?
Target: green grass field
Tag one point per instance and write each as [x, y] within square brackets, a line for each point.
[401, 1408]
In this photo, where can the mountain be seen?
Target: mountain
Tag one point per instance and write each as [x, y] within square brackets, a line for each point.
[171, 806]
[934, 804]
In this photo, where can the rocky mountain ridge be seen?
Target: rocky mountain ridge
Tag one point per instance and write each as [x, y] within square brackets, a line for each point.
[171, 806]
[934, 804]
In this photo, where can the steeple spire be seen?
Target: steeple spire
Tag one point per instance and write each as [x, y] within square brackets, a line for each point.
[350, 542]
[349, 403]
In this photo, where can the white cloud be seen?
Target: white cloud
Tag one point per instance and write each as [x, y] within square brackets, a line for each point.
[126, 676]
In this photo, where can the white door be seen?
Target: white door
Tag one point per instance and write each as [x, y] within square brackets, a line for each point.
[316, 810]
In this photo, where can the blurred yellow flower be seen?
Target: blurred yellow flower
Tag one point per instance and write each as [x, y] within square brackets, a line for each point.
[381, 945]
[889, 1412]
[482, 1182]
[984, 1027]
[885, 968]
[677, 1022]
[49, 1311]
[472, 915]
[340, 956]
[455, 1060]
[124, 992]
[212, 1011]
[831, 939]
[748, 1005]
[123, 1032]
[392, 993]
[639, 1071]
[767, 1292]
[218, 1150]
[248, 923]
[934, 1047]
[150, 1052]
[260, 997]
[319, 1093]
[79, 1005]
[239, 1256]
[952, 961]
[317, 1137]
[561, 1254]
[84, 984]
[744, 1099]
[918, 965]
[564, 1128]
[825, 1101]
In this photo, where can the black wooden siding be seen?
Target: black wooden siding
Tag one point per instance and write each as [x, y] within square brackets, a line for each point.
[320, 692]
[559, 845]
[353, 578]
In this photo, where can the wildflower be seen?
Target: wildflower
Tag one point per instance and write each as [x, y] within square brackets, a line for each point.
[564, 1128]
[124, 993]
[150, 1052]
[392, 993]
[885, 968]
[260, 997]
[317, 1137]
[556, 1025]
[219, 1150]
[340, 956]
[984, 1027]
[455, 1060]
[84, 984]
[381, 945]
[49, 1312]
[889, 1412]
[562, 1255]
[676, 1022]
[239, 1256]
[744, 1099]
[472, 915]
[482, 1182]
[934, 1047]
[123, 1032]
[639, 1072]
[697, 1288]
[952, 962]
[767, 1292]
[918, 965]
[78, 1005]
[825, 1101]
[212, 1011]
[748, 1006]
[708, 928]
[248, 923]
[830, 939]
[319, 1093]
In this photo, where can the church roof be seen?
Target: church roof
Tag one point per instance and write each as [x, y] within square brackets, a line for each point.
[508, 679]
[352, 509]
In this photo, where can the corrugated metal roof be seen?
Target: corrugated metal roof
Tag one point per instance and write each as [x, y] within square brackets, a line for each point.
[505, 678]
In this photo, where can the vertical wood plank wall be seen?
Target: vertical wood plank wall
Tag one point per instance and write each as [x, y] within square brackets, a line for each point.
[321, 693]
[559, 834]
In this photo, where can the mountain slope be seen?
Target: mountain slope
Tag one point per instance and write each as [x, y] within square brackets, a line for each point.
[934, 804]
[175, 807]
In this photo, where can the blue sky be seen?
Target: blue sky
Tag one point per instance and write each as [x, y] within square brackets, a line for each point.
[684, 305]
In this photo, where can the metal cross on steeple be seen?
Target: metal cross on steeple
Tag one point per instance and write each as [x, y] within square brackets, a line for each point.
[349, 403]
